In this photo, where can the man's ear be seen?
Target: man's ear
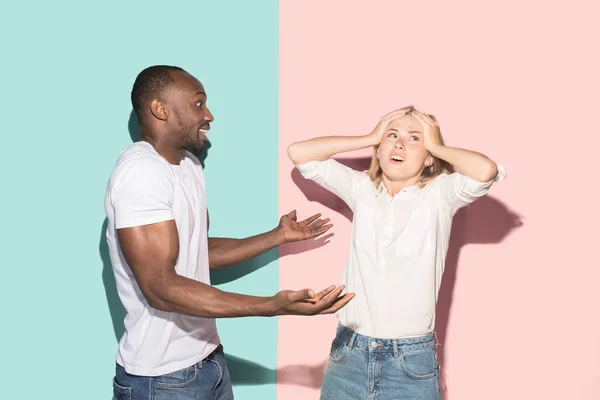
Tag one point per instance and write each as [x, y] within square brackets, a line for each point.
[158, 109]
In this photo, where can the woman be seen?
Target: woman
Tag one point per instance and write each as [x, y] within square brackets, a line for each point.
[403, 207]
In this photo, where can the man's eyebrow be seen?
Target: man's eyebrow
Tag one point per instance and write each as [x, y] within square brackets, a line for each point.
[197, 93]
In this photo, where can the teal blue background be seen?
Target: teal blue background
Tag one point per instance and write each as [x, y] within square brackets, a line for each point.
[67, 73]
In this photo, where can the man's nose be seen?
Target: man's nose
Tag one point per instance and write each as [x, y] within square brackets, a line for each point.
[209, 117]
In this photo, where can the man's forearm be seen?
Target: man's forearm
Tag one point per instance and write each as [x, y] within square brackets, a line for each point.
[182, 295]
[225, 252]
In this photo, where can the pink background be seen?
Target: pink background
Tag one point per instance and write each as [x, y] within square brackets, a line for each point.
[519, 305]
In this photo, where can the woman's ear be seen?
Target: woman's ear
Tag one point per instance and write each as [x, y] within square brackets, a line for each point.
[429, 161]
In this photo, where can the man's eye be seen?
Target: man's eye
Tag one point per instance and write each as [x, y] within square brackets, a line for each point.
[199, 104]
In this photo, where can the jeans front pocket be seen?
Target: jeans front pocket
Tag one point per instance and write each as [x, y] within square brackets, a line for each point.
[419, 364]
[178, 379]
[121, 392]
[336, 354]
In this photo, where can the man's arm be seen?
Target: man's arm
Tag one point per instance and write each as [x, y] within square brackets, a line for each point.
[225, 252]
[152, 250]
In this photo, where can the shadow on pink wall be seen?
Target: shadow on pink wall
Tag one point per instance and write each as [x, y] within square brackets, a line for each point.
[485, 221]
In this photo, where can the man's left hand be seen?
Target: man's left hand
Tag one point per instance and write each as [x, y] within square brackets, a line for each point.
[311, 227]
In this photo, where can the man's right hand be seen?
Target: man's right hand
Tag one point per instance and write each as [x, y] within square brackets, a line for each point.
[305, 302]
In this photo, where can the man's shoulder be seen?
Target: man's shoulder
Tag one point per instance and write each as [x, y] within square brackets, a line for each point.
[141, 152]
[141, 158]
[138, 149]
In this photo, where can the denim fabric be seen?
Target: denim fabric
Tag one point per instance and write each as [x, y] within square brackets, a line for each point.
[208, 379]
[361, 367]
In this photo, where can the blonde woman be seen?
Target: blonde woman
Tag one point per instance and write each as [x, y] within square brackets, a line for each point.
[403, 206]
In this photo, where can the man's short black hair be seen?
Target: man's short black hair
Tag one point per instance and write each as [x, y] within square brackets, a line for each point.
[149, 84]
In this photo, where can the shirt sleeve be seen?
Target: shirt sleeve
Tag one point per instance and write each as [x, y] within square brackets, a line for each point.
[143, 193]
[333, 176]
[459, 190]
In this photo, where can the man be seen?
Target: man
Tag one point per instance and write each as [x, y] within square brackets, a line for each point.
[161, 253]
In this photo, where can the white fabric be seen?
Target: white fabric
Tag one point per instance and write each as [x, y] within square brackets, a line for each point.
[145, 189]
[397, 249]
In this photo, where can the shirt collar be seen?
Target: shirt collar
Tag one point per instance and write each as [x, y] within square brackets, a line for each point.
[381, 189]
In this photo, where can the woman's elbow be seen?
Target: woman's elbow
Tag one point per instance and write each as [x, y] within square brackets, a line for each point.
[293, 153]
[488, 171]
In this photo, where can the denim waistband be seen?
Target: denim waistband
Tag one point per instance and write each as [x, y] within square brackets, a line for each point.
[213, 353]
[348, 337]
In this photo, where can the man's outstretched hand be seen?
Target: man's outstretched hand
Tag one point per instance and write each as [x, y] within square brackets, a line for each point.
[293, 230]
[306, 302]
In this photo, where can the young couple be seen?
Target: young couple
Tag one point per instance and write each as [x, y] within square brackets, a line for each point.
[161, 252]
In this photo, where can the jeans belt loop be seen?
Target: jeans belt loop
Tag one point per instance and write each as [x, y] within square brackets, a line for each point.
[352, 340]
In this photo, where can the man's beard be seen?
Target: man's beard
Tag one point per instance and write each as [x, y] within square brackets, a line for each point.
[196, 145]
[191, 137]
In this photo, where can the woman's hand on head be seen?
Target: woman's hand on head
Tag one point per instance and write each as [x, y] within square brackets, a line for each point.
[431, 132]
[377, 134]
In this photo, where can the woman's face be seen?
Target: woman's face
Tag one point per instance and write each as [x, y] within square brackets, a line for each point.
[401, 152]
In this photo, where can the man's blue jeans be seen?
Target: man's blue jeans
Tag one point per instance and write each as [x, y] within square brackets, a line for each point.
[208, 379]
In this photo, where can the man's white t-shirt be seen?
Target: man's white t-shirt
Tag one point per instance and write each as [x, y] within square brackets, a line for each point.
[398, 246]
[145, 189]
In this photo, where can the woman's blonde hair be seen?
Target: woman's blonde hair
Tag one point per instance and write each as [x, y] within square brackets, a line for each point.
[438, 167]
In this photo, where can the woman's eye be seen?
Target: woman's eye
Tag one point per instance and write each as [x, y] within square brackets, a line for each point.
[415, 138]
[392, 135]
